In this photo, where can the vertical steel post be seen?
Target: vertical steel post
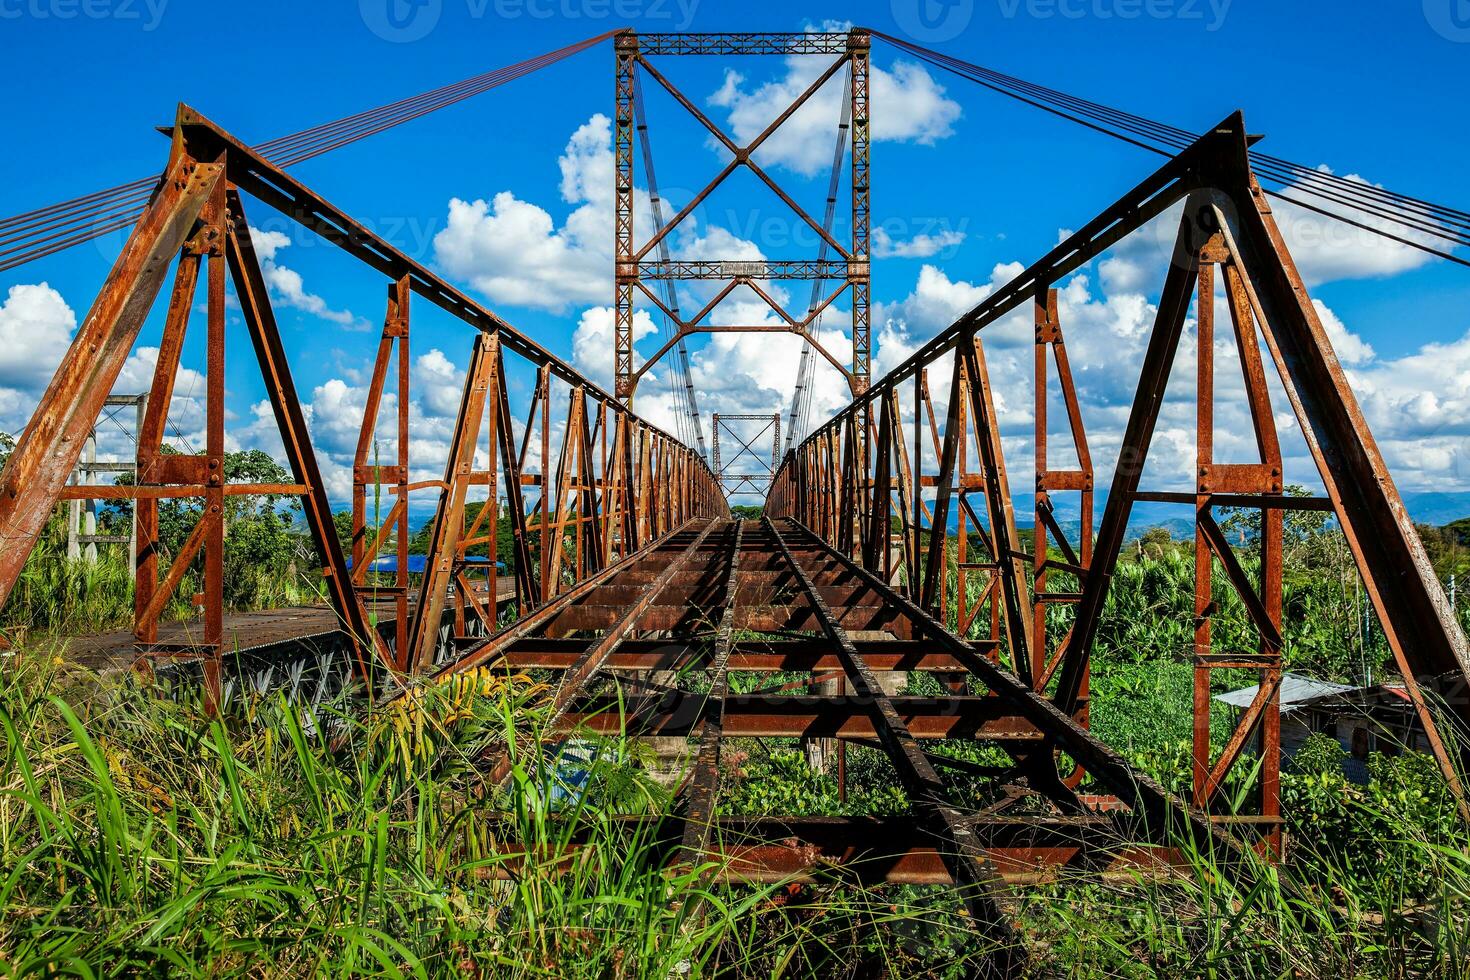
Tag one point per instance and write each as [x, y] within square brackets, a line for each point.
[402, 290]
[548, 588]
[625, 50]
[214, 450]
[150, 439]
[1203, 559]
[395, 331]
[859, 44]
[142, 417]
[715, 450]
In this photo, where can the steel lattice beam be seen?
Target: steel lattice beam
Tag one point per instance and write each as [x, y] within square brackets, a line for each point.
[724, 269]
[745, 43]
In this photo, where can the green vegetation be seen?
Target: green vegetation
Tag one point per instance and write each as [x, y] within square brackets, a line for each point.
[139, 836]
[1329, 630]
[264, 553]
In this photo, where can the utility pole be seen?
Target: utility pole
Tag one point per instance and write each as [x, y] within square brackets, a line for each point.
[82, 538]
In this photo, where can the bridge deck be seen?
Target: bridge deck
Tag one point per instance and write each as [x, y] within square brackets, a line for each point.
[680, 640]
[245, 632]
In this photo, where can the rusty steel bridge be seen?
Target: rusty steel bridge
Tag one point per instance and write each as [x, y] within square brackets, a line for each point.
[634, 585]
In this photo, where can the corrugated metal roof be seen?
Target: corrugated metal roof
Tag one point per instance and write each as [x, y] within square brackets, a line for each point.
[1296, 691]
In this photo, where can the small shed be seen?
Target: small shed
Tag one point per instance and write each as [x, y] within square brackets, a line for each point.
[1373, 718]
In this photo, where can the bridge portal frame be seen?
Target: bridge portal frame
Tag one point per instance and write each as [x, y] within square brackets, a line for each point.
[752, 482]
[633, 270]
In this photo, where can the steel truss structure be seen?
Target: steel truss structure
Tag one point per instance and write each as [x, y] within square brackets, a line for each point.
[646, 600]
[845, 582]
[634, 267]
[859, 483]
[759, 480]
[614, 483]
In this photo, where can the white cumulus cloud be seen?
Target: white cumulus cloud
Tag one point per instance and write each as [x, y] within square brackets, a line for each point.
[514, 252]
[915, 110]
[287, 286]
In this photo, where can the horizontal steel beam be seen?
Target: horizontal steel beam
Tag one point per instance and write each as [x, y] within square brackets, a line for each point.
[892, 850]
[735, 43]
[738, 269]
[691, 616]
[756, 656]
[831, 716]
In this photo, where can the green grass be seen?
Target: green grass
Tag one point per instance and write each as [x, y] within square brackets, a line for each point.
[139, 836]
[63, 596]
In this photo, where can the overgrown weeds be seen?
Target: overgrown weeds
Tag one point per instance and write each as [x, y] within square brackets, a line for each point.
[138, 835]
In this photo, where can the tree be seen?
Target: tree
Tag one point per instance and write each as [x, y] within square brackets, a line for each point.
[1156, 542]
[505, 551]
[260, 541]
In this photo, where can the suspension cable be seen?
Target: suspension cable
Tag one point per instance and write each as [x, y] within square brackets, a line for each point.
[805, 371]
[44, 231]
[1367, 201]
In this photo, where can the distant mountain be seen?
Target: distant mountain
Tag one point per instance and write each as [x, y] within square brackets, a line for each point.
[1425, 507]
[1438, 506]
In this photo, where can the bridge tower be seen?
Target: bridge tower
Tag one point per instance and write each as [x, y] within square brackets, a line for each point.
[647, 268]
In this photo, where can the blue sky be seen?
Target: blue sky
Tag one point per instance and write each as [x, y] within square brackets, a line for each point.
[1367, 89]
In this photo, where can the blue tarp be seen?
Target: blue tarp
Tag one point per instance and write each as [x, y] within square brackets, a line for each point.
[417, 563]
